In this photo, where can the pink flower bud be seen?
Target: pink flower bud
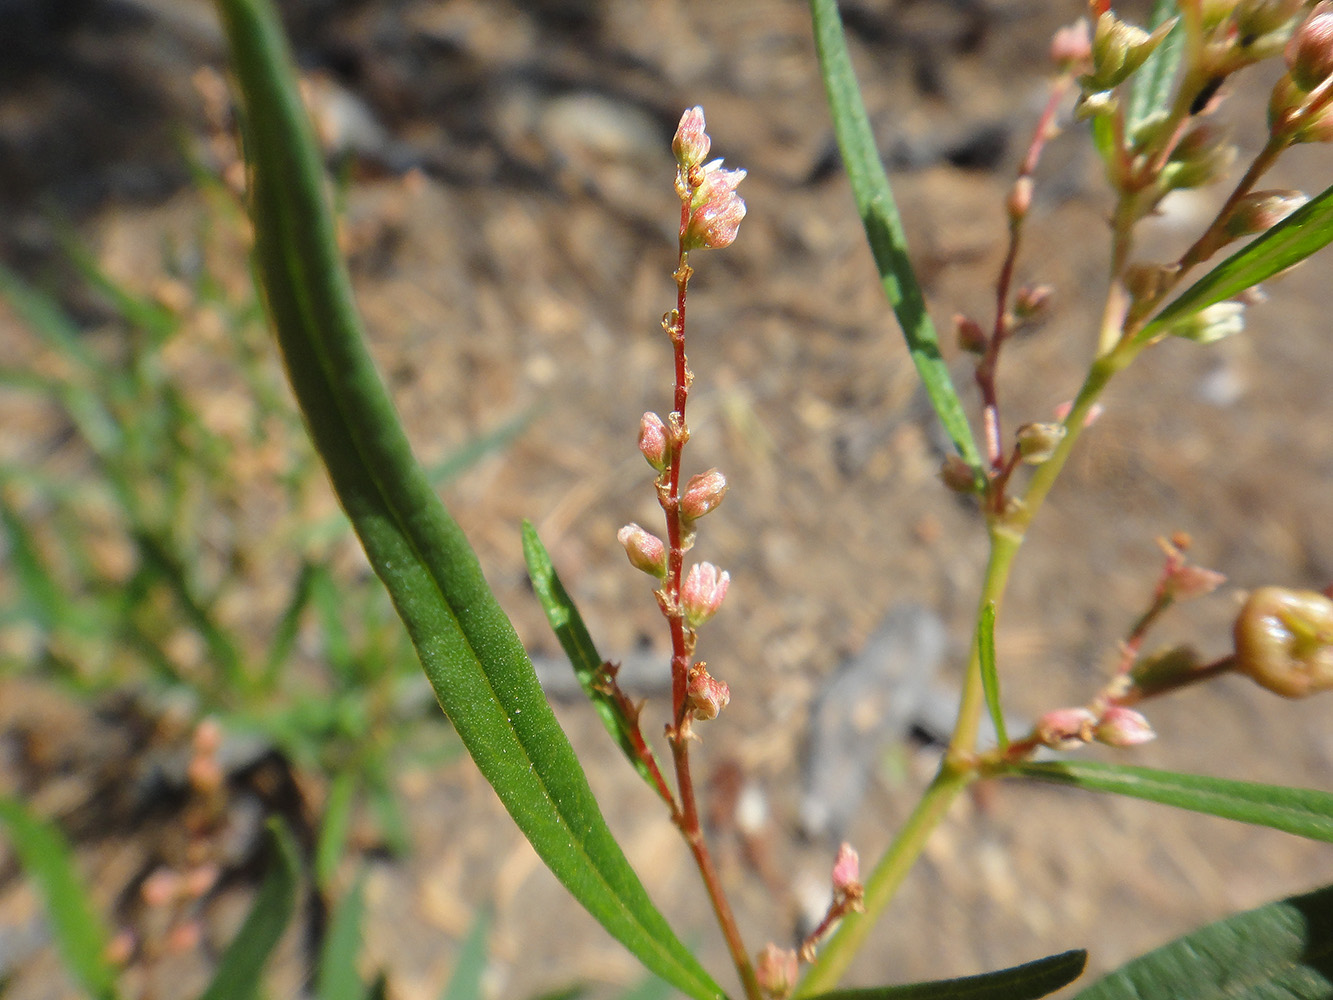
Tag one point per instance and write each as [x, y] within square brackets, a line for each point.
[1019, 201]
[705, 694]
[645, 550]
[702, 494]
[1187, 581]
[776, 969]
[1032, 300]
[971, 337]
[1066, 728]
[1309, 54]
[847, 871]
[1262, 210]
[702, 592]
[1123, 727]
[691, 142]
[716, 210]
[653, 441]
[1071, 46]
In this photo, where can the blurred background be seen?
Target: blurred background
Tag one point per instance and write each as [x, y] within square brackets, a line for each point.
[190, 640]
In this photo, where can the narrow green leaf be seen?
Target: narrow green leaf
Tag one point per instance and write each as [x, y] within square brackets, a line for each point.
[1302, 811]
[334, 826]
[1282, 951]
[43, 601]
[338, 978]
[1305, 231]
[45, 856]
[990, 678]
[1022, 982]
[884, 230]
[468, 649]
[243, 962]
[285, 632]
[465, 982]
[1153, 83]
[577, 643]
[473, 451]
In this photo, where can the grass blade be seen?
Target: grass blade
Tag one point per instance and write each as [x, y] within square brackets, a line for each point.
[1305, 231]
[1302, 811]
[243, 962]
[990, 678]
[1284, 949]
[577, 643]
[333, 829]
[1157, 76]
[1022, 982]
[45, 857]
[338, 978]
[465, 983]
[884, 230]
[467, 647]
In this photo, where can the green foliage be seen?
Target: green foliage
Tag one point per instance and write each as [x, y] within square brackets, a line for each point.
[1302, 811]
[1022, 982]
[990, 679]
[1155, 81]
[79, 933]
[1282, 950]
[471, 656]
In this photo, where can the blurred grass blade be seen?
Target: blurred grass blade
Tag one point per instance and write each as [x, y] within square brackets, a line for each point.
[338, 978]
[468, 649]
[1305, 231]
[1156, 78]
[465, 982]
[1022, 982]
[41, 599]
[333, 829]
[1282, 950]
[577, 643]
[990, 678]
[1302, 811]
[879, 215]
[79, 934]
[473, 451]
[242, 965]
[287, 629]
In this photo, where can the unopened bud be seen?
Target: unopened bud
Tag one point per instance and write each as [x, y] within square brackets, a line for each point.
[1201, 157]
[691, 142]
[702, 592]
[1309, 54]
[1146, 282]
[1071, 46]
[1216, 322]
[1066, 728]
[1037, 442]
[957, 475]
[1284, 640]
[716, 210]
[1118, 49]
[705, 694]
[1032, 300]
[702, 494]
[847, 875]
[645, 550]
[1262, 210]
[776, 970]
[1123, 727]
[1256, 18]
[653, 441]
[1163, 670]
[1019, 201]
[971, 337]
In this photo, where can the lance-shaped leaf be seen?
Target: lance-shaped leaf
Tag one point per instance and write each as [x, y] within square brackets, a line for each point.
[467, 647]
[1022, 982]
[1153, 83]
[990, 677]
[884, 229]
[1282, 951]
[1305, 812]
[1302, 233]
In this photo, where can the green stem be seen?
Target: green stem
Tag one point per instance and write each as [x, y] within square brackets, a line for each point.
[884, 881]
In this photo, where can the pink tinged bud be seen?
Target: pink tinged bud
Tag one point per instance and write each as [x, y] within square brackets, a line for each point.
[1284, 641]
[957, 475]
[1071, 46]
[971, 337]
[1309, 54]
[1123, 727]
[1262, 210]
[702, 494]
[847, 871]
[691, 142]
[645, 550]
[716, 210]
[1118, 49]
[776, 969]
[1019, 201]
[1037, 442]
[1066, 728]
[705, 694]
[653, 441]
[702, 592]
[1032, 300]
[1189, 581]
